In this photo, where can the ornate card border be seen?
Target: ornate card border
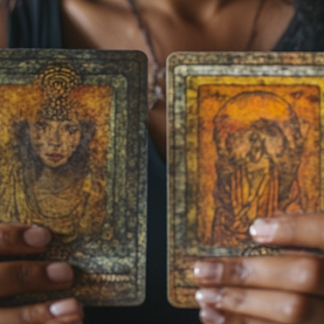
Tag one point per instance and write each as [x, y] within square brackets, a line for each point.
[184, 79]
[124, 259]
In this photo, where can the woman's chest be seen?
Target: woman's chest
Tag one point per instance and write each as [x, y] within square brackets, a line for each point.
[111, 24]
[143, 25]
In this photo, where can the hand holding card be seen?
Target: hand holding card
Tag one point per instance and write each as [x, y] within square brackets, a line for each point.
[282, 289]
[244, 145]
[73, 160]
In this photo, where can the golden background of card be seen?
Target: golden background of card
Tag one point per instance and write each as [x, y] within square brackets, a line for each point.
[73, 159]
[244, 143]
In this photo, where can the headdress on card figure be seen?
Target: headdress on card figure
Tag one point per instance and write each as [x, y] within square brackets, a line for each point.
[58, 81]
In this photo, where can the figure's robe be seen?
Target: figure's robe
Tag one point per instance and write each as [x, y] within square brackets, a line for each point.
[78, 209]
[251, 192]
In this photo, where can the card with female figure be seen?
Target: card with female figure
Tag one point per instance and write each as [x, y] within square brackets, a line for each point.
[73, 159]
[244, 143]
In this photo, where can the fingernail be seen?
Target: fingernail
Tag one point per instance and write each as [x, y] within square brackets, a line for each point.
[208, 269]
[208, 296]
[65, 307]
[37, 236]
[263, 231]
[59, 272]
[211, 316]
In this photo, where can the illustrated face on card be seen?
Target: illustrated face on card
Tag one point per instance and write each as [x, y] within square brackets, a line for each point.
[54, 139]
[244, 144]
[73, 159]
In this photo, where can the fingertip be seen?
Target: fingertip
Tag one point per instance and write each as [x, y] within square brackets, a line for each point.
[208, 271]
[60, 272]
[209, 315]
[66, 307]
[37, 236]
[197, 268]
[291, 229]
[68, 311]
[264, 230]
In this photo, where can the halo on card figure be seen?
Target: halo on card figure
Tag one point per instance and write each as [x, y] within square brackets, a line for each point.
[259, 145]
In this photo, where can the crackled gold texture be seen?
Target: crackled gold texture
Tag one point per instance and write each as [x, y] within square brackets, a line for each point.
[73, 159]
[244, 143]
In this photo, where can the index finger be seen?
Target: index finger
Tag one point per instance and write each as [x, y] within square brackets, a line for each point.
[22, 239]
[298, 230]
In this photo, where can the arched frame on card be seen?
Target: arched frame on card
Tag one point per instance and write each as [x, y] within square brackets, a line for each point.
[245, 142]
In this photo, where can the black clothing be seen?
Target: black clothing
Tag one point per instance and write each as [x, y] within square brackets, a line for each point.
[36, 24]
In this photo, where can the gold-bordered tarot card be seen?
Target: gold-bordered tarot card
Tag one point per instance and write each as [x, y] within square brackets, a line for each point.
[244, 143]
[73, 159]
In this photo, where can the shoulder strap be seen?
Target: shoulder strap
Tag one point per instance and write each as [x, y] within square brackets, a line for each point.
[35, 24]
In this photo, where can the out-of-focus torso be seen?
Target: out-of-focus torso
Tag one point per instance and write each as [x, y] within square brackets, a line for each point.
[110, 24]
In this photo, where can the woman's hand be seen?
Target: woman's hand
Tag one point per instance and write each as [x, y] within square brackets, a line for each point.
[26, 276]
[267, 290]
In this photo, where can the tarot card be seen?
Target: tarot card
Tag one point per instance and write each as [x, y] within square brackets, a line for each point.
[244, 143]
[73, 159]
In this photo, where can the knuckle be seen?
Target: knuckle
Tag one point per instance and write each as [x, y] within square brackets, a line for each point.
[240, 271]
[288, 228]
[6, 238]
[293, 309]
[34, 314]
[320, 232]
[305, 273]
[26, 273]
[235, 299]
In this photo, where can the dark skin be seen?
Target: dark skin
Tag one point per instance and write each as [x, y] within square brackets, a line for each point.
[287, 289]
[109, 24]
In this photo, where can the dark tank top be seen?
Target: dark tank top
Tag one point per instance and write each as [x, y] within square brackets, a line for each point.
[36, 24]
